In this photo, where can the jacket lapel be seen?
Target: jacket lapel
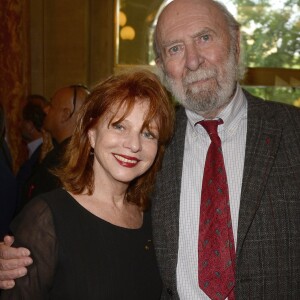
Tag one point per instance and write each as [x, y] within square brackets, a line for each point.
[165, 204]
[263, 137]
[173, 180]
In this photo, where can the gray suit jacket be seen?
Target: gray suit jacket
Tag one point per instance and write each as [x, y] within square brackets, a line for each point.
[268, 245]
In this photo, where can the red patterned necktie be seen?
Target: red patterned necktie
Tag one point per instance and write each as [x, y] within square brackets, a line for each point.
[216, 253]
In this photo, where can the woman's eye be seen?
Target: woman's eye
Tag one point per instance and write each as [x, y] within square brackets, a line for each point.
[118, 126]
[148, 135]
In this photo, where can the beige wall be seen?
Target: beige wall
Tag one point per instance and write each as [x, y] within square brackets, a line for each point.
[72, 41]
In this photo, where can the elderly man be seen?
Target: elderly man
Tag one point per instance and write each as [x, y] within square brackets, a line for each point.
[226, 206]
[198, 51]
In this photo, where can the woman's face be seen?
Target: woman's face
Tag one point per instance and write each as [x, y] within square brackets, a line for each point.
[123, 150]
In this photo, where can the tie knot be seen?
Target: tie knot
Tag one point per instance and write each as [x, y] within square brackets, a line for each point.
[211, 126]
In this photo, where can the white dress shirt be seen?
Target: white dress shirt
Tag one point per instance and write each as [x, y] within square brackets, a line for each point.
[233, 137]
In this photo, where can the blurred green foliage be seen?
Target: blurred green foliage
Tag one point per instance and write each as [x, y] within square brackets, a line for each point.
[271, 38]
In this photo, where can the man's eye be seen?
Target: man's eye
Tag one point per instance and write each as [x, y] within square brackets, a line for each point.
[205, 37]
[175, 49]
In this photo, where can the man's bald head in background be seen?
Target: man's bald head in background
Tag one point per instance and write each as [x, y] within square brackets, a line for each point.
[61, 115]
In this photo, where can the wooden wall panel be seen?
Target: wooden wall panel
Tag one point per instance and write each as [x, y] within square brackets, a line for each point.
[102, 39]
[45, 45]
[72, 41]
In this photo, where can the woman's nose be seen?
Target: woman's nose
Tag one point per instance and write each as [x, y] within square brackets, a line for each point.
[133, 142]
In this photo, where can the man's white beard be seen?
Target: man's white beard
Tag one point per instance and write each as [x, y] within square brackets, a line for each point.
[203, 100]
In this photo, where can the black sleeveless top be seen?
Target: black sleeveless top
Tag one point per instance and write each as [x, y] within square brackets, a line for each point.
[80, 256]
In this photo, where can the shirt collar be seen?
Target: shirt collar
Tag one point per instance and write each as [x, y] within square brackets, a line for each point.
[32, 146]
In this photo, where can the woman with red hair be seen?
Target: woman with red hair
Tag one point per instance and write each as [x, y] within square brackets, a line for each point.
[107, 174]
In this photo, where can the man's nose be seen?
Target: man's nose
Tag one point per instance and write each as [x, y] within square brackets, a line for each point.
[193, 57]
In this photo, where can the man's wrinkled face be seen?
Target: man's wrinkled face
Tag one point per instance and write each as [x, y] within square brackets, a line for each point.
[198, 61]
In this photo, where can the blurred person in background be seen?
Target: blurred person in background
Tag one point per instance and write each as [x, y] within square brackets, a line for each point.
[59, 122]
[8, 186]
[33, 115]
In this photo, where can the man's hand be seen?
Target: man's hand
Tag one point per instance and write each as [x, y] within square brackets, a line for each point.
[13, 262]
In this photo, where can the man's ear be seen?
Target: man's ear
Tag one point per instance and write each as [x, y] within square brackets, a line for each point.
[65, 114]
[238, 45]
[160, 69]
[159, 63]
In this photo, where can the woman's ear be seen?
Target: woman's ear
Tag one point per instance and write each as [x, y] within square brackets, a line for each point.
[92, 137]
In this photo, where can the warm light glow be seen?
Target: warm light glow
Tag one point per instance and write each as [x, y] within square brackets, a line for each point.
[127, 33]
[122, 18]
[297, 102]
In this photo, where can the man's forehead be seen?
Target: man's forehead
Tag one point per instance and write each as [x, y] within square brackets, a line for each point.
[188, 23]
[180, 11]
